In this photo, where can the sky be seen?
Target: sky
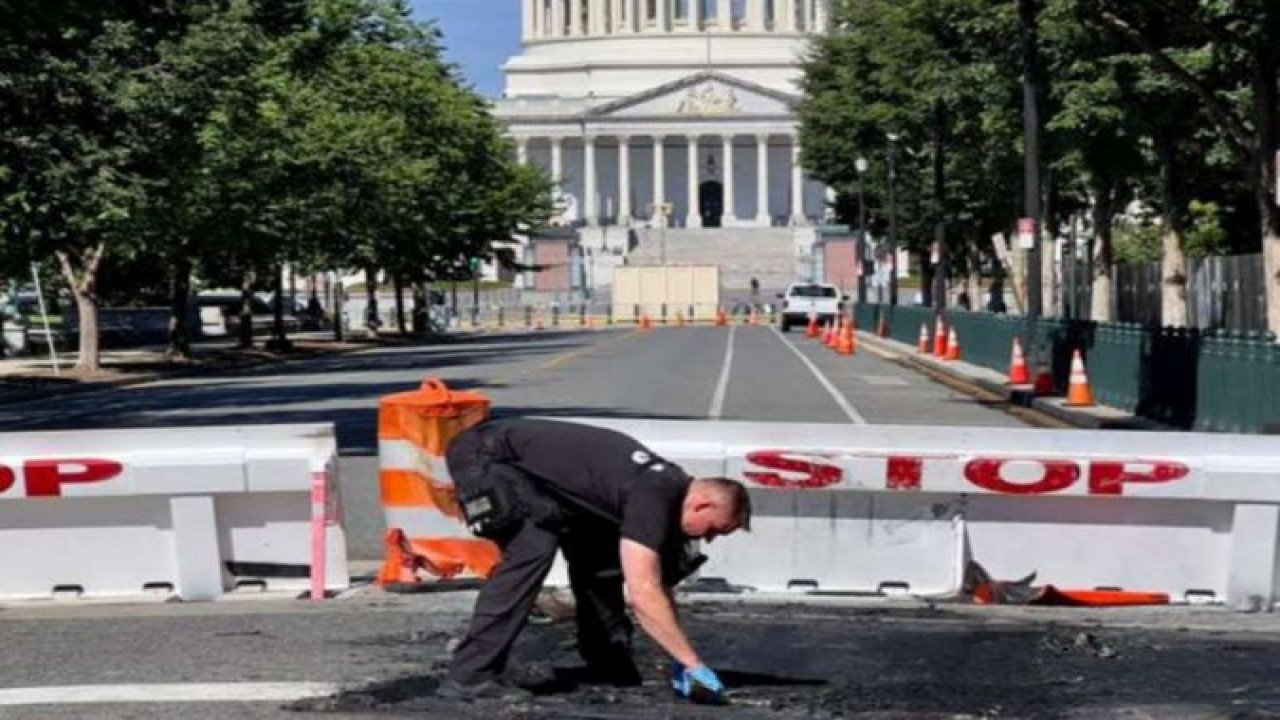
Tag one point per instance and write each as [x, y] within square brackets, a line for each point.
[479, 35]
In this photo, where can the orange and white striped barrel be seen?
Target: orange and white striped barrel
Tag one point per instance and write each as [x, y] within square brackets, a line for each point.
[425, 530]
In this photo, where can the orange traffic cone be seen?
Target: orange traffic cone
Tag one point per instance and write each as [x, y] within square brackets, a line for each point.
[826, 333]
[645, 322]
[846, 345]
[953, 344]
[924, 338]
[721, 318]
[812, 330]
[1018, 372]
[754, 317]
[1079, 393]
[940, 339]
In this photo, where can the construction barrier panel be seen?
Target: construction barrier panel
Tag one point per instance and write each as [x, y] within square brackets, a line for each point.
[877, 508]
[194, 512]
[426, 537]
[694, 289]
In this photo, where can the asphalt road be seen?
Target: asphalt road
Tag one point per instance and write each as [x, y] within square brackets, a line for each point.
[694, 373]
[376, 655]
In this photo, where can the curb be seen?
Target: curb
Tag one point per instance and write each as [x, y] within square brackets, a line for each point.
[1099, 417]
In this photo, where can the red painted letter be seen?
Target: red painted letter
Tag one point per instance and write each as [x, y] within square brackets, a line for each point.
[1058, 474]
[819, 475]
[903, 473]
[1107, 477]
[45, 477]
[6, 478]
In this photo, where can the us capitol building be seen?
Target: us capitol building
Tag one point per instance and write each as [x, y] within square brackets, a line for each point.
[671, 113]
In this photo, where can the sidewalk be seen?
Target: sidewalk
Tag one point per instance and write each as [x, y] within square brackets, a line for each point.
[989, 382]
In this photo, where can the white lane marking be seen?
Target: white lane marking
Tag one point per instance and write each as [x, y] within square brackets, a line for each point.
[168, 693]
[854, 416]
[722, 385]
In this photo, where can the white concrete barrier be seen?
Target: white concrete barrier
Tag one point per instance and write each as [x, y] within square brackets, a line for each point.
[190, 511]
[879, 508]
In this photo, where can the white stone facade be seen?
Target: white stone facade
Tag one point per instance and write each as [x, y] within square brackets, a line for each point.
[637, 105]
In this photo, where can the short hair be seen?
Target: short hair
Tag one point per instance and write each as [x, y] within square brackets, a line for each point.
[735, 497]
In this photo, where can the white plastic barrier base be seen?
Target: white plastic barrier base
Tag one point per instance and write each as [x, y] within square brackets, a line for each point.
[876, 508]
[192, 511]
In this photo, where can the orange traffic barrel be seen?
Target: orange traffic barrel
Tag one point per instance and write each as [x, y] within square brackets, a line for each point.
[426, 540]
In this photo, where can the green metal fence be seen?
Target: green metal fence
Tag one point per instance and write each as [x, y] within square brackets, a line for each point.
[1226, 380]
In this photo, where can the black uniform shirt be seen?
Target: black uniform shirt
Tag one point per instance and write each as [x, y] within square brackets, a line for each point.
[603, 472]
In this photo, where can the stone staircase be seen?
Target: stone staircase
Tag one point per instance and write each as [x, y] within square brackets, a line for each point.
[767, 254]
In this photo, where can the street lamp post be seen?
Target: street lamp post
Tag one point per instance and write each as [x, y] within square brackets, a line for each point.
[893, 219]
[861, 252]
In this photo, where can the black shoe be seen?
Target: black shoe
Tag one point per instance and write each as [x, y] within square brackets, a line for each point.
[617, 674]
[483, 690]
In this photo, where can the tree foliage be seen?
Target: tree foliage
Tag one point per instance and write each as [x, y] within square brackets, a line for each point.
[224, 139]
[1163, 104]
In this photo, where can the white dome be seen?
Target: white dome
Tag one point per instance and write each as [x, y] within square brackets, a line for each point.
[621, 47]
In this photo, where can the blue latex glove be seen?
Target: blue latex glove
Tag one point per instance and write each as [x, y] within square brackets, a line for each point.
[708, 680]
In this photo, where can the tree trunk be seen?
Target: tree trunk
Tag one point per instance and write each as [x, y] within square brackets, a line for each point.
[1017, 279]
[1267, 114]
[279, 336]
[371, 321]
[179, 307]
[419, 308]
[1100, 253]
[941, 138]
[339, 316]
[398, 283]
[1049, 286]
[1173, 259]
[85, 291]
[246, 310]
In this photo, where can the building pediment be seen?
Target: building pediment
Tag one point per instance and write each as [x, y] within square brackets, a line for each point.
[703, 95]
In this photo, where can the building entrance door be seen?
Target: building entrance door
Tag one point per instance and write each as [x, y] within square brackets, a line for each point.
[711, 203]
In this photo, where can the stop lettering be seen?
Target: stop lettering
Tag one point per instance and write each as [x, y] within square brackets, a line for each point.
[45, 478]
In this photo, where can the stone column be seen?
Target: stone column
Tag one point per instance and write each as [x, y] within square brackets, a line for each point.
[797, 184]
[557, 18]
[694, 15]
[615, 16]
[598, 17]
[624, 180]
[762, 181]
[728, 218]
[522, 151]
[557, 170]
[784, 13]
[575, 17]
[526, 19]
[724, 14]
[659, 182]
[755, 15]
[693, 218]
[663, 21]
[633, 16]
[590, 201]
[819, 16]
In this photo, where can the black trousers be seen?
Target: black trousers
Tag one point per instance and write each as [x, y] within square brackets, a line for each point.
[590, 546]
